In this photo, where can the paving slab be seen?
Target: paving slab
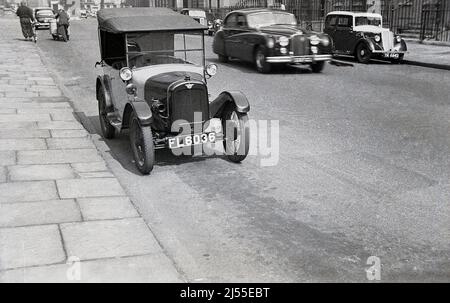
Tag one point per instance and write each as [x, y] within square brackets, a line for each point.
[69, 143]
[24, 117]
[39, 213]
[68, 133]
[7, 157]
[22, 144]
[16, 125]
[27, 191]
[84, 188]
[58, 156]
[154, 268]
[89, 167]
[60, 125]
[107, 208]
[110, 238]
[41, 172]
[3, 172]
[97, 174]
[30, 246]
[63, 116]
[23, 133]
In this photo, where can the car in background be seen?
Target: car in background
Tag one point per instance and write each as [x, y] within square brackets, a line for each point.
[43, 16]
[363, 36]
[83, 13]
[267, 37]
[198, 15]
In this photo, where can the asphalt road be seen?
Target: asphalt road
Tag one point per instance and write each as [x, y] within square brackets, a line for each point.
[363, 170]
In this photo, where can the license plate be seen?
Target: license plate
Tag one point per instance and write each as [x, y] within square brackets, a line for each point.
[189, 140]
[395, 56]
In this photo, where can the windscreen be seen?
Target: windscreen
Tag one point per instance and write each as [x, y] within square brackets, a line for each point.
[368, 21]
[155, 48]
[270, 18]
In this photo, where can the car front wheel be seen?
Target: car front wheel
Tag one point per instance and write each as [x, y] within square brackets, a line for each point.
[108, 130]
[363, 53]
[141, 140]
[317, 67]
[260, 61]
[236, 135]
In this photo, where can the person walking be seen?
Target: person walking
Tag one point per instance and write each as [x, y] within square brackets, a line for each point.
[62, 19]
[26, 17]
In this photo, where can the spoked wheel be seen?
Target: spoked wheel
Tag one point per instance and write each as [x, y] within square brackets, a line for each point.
[141, 140]
[108, 130]
[236, 135]
[363, 53]
[317, 67]
[260, 61]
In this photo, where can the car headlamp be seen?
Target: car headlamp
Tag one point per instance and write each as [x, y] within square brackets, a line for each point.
[325, 41]
[270, 42]
[283, 50]
[314, 40]
[377, 38]
[126, 74]
[211, 69]
[283, 41]
[398, 39]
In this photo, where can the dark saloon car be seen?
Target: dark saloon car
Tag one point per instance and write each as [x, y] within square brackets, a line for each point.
[43, 17]
[266, 37]
[362, 35]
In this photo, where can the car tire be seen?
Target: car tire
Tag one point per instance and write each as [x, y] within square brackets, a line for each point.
[141, 140]
[108, 131]
[260, 61]
[317, 67]
[236, 144]
[363, 53]
[223, 59]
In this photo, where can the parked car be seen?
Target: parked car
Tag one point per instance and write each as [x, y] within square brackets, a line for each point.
[43, 17]
[153, 82]
[266, 37]
[362, 35]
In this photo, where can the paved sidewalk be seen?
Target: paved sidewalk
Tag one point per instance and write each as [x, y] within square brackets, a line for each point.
[59, 202]
[428, 55]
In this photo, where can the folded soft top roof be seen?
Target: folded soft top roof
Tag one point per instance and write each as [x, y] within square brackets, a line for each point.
[122, 20]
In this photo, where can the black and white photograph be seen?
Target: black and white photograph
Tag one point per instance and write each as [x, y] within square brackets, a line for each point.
[225, 146]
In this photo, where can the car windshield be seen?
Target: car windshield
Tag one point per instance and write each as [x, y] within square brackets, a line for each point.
[146, 49]
[375, 21]
[44, 13]
[270, 18]
[194, 13]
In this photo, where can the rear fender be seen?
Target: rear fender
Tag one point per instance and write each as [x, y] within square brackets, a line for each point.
[225, 99]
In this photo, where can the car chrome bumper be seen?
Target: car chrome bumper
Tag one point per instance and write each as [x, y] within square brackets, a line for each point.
[388, 52]
[298, 59]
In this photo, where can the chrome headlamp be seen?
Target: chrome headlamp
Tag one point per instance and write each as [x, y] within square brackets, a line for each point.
[325, 41]
[314, 40]
[377, 38]
[126, 74]
[398, 39]
[283, 41]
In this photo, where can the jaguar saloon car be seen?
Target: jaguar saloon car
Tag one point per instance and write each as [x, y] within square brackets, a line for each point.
[363, 36]
[153, 82]
[267, 37]
[43, 16]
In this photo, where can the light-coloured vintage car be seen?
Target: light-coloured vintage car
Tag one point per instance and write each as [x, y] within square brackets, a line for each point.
[362, 35]
[153, 82]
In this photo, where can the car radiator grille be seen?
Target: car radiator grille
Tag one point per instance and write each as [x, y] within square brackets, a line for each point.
[185, 102]
[299, 45]
[387, 38]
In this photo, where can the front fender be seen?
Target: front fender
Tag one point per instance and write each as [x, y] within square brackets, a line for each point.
[231, 98]
[104, 83]
[142, 111]
[219, 43]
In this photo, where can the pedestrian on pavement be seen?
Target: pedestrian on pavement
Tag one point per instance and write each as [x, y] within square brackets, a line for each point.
[26, 19]
[62, 20]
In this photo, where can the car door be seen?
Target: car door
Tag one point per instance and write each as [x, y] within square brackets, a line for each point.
[330, 26]
[230, 31]
[344, 34]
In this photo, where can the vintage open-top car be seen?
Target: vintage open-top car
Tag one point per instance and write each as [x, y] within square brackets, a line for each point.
[266, 37]
[154, 84]
[362, 35]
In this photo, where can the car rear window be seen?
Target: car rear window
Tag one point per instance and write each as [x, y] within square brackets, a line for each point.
[46, 13]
